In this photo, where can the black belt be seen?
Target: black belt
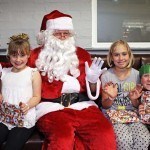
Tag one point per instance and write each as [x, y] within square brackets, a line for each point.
[67, 99]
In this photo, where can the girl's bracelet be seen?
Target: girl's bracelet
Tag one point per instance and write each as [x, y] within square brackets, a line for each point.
[27, 106]
[110, 98]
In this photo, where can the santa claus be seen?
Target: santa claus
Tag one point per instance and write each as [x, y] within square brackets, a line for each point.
[66, 116]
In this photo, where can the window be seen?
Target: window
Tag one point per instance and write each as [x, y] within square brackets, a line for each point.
[121, 19]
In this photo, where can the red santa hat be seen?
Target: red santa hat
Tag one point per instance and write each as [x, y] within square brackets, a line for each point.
[57, 20]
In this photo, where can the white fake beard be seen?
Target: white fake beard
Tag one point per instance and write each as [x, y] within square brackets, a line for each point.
[58, 58]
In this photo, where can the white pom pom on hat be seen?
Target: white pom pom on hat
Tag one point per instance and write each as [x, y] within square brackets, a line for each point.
[57, 20]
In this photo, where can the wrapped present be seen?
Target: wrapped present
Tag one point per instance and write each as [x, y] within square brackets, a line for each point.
[11, 114]
[122, 116]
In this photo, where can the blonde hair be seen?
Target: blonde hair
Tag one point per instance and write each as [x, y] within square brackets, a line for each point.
[19, 44]
[111, 50]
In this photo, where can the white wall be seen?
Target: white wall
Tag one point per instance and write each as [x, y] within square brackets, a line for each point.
[17, 16]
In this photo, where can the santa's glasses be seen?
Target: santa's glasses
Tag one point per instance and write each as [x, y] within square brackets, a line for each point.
[62, 34]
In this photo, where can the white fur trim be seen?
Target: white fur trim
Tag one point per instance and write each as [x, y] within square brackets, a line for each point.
[70, 85]
[89, 90]
[82, 105]
[61, 23]
[46, 107]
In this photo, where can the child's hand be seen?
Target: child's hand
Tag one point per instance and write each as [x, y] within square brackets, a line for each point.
[141, 109]
[111, 90]
[136, 92]
[24, 107]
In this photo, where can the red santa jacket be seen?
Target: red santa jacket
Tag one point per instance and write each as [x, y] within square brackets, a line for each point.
[53, 90]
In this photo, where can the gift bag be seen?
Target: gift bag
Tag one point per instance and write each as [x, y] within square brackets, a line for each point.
[145, 99]
[122, 116]
[11, 114]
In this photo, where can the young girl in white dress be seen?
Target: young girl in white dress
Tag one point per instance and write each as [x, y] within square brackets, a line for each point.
[20, 93]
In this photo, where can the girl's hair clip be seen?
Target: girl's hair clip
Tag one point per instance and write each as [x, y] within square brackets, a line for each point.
[21, 36]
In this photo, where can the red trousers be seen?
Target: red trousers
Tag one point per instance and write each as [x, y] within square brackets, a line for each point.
[70, 129]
